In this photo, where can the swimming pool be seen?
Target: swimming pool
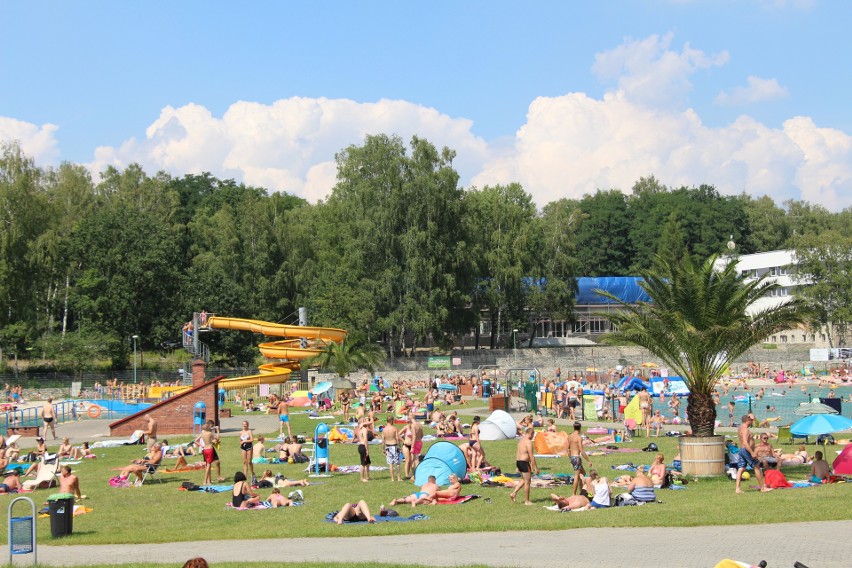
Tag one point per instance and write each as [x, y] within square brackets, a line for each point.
[113, 408]
[776, 401]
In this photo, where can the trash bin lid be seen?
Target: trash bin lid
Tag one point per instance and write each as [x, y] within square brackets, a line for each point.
[58, 496]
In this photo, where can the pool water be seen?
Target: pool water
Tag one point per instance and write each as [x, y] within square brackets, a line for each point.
[118, 408]
[779, 404]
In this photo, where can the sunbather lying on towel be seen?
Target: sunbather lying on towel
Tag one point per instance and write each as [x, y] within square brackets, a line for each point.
[799, 457]
[354, 512]
[426, 495]
[279, 480]
[571, 503]
[278, 500]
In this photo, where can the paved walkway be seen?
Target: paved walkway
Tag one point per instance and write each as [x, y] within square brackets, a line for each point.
[816, 545]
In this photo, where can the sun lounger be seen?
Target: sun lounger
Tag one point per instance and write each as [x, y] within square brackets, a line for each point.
[45, 478]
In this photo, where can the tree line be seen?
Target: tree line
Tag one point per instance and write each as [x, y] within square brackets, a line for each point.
[398, 253]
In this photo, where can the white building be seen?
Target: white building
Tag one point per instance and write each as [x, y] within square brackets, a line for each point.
[776, 266]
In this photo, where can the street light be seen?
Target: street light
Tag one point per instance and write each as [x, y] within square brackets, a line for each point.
[514, 339]
[135, 337]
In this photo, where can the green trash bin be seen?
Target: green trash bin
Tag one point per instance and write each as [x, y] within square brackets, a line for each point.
[61, 509]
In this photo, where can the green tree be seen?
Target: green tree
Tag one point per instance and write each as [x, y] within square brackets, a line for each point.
[823, 270]
[392, 233]
[603, 238]
[502, 222]
[552, 294]
[672, 243]
[698, 322]
[769, 226]
[23, 216]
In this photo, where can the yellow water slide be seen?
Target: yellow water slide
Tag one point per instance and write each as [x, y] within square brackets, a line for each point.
[290, 352]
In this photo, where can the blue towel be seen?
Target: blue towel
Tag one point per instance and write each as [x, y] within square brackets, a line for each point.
[217, 488]
[329, 518]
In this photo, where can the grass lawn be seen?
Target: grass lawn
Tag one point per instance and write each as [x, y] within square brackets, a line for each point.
[158, 512]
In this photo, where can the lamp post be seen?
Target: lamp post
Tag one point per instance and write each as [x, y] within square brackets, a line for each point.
[135, 337]
[514, 340]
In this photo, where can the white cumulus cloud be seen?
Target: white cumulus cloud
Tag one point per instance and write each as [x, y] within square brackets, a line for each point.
[647, 71]
[757, 90]
[38, 142]
[574, 144]
[288, 145]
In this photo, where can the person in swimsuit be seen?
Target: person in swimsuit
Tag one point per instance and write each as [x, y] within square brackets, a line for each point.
[353, 512]
[48, 414]
[390, 445]
[426, 495]
[658, 470]
[11, 482]
[645, 406]
[571, 503]
[284, 417]
[344, 405]
[577, 454]
[407, 438]
[417, 441]
[477, 454]
[451, 492]
[246, 444]
[278, 500]
[363, 449]
[746, 456]
[525, 461]
[242, 497]
[205, 443]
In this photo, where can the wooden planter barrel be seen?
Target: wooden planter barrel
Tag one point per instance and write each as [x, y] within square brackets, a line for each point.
[702, 456]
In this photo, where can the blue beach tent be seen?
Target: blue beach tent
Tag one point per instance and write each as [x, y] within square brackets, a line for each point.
[442, 459]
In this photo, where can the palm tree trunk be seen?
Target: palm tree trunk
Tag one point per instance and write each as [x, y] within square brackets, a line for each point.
[702, 414]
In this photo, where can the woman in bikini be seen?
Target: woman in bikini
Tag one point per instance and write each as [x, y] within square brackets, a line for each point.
[407, 437]
[242, 497]
[246, 444]
[658, 470]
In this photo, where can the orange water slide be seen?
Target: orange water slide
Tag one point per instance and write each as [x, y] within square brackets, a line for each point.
[289, 352]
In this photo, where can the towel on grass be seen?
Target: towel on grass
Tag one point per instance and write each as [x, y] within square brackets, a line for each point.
[261, 505]
[457, 500]
[216, 488]
[354, 468]
[189, 467]
[329, 518]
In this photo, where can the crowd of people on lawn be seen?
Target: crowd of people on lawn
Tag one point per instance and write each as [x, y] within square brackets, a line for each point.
[401, 440]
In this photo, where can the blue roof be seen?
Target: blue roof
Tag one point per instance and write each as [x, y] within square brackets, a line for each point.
[626, 288]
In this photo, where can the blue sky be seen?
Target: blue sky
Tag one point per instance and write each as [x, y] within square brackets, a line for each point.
[564, 97]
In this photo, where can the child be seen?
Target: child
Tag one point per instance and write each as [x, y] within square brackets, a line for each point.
[820, 470]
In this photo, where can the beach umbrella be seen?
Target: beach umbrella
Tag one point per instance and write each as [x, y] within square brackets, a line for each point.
[817, 424]
[572, 385]
[814, 407]
[322, 387]
[447, 387]
[649, 365]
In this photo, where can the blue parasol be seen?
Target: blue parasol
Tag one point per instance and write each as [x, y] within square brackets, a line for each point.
[817, 424]
[447, 387]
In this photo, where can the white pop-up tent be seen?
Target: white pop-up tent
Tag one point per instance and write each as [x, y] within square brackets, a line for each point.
[499, 426]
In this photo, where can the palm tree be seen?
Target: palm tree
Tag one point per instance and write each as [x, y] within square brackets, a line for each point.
[697, 323]
[348, 356]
